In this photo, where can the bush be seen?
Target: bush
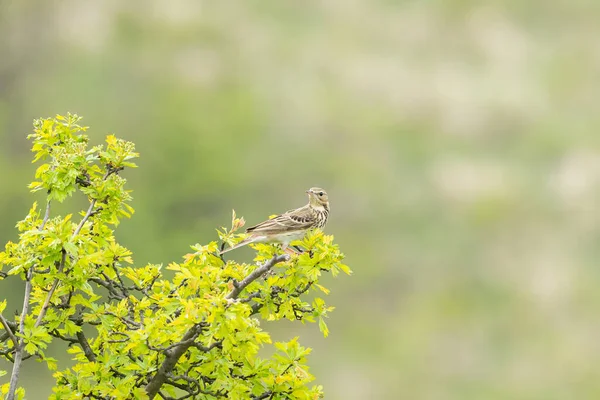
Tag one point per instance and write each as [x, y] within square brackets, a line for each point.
[132, 332]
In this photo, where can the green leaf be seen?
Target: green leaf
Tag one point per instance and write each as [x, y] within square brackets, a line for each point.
[344, 268]
[31, 348]
[15, 270]
[323, 327]
[70, 248]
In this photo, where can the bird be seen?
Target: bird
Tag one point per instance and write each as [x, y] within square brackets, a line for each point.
[291, 225]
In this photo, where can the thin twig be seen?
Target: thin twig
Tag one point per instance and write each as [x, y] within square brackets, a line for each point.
[87, 215]
[56, 334]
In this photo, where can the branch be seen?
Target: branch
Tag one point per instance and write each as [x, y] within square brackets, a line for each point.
[254, 275]
[87, 216]
[189, 342]
[193, 387]
[128, 322]
[263, 396]
[46, 215]
[85, 345]
[108, 286]
[171, 359]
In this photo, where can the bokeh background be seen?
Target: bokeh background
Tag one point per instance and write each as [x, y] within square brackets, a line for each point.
[459, 142]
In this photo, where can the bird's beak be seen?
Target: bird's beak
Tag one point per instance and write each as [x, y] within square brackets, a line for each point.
[308, 191]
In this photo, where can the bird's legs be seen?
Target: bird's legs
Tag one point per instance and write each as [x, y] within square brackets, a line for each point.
[290, 250]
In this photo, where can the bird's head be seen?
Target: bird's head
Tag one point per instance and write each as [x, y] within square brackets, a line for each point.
[317, 197]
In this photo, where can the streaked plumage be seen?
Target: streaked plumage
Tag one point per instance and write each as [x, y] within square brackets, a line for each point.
[291, 225]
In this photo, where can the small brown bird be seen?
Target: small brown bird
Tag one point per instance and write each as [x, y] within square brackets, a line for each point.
[291, 225]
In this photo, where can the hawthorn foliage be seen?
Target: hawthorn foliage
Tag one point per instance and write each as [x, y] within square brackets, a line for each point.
[133, 333]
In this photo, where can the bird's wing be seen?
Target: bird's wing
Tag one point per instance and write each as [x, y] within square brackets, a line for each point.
[290, 221]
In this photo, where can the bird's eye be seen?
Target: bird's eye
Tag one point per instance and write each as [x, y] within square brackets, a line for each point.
[320, 193]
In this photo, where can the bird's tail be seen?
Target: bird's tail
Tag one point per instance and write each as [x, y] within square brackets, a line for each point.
[240, 244]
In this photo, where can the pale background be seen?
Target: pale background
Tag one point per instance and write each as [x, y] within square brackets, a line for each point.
[459, 142]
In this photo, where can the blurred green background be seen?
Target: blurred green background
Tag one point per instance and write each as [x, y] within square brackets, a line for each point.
[458, 140]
